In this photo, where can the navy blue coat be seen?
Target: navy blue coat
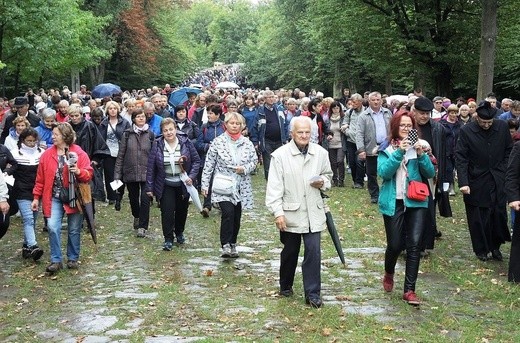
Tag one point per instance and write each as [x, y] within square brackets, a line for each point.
[155, 174]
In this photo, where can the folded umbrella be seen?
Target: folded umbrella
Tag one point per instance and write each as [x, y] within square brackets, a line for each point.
[84, 200]
[331, 227]
[192, 191]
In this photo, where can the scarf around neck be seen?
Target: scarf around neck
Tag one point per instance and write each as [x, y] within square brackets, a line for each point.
[139, 130]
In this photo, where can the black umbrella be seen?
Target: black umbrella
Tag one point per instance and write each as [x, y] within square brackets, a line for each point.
[333, 232]
[84, 200]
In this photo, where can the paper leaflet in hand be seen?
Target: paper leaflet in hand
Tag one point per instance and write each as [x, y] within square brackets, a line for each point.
[116, 184]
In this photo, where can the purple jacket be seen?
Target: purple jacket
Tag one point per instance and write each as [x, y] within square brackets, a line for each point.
[156, 175]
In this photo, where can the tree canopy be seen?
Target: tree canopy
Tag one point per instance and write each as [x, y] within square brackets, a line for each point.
[390, 46]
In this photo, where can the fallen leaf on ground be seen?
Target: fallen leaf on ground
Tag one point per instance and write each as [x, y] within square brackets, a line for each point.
[326, 331]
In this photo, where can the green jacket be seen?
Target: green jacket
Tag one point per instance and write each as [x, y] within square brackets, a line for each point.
[388, 161]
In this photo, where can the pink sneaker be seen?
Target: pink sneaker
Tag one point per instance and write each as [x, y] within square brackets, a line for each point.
[388, 282]
[411, 298]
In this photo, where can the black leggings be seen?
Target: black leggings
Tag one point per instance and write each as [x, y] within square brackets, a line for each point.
[404, 230]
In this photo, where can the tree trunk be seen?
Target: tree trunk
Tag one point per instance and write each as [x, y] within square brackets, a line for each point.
[97, 73]
[488, 36]
[337, 88]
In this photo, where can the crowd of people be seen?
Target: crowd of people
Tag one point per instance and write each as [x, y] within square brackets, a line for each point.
[141, 143]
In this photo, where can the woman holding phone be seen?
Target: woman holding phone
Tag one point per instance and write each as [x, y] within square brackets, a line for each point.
[401, 160]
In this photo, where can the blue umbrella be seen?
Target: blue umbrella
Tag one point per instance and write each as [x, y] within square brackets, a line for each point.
[105, 89]
[180, 96]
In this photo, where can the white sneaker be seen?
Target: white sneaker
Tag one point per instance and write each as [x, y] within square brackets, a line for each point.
[234, 253]
[141, 232]
[226, 250]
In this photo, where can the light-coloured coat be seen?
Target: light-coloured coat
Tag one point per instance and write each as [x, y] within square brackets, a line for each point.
[219, 159]
[289, 192]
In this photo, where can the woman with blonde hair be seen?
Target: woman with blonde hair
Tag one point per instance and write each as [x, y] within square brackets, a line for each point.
[230, 160]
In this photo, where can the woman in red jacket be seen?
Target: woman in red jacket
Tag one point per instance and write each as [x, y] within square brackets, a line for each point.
[53, 176]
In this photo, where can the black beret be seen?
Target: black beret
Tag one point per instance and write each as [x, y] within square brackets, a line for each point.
[485, 111]
[424, 104]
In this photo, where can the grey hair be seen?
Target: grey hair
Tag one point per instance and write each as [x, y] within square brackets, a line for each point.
[301, 120]
[48, 113]
[356, 97]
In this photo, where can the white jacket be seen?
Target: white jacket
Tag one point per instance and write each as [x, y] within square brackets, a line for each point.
[289, 192]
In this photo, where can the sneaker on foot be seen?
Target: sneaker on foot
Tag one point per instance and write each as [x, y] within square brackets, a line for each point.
[411, 298]
[54, 267]
[35, 252]
[181, 239]
[234, 253]
[141, 232]
[71, 264]
[205, 212]
[26, 252]
[167, 246]
[226, 250]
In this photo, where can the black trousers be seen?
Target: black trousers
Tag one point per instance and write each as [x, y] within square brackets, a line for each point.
[514, 256]
[404, 230]
[98, 189]
[109, 166]
[229, 222]
[139, 202]
[357, 167]
[269, 148]
[174, 211]
[337, 162]
[371, 170]
[483, 224]
[311, 265]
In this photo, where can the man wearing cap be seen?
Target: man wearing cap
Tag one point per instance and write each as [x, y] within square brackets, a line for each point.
[21, 105]
[481, 157]
[435, 134]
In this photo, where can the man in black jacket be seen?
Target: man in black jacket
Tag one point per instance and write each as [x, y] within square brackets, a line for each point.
[435, 134]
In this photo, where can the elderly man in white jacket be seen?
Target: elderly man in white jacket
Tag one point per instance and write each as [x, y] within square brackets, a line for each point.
[298, 172]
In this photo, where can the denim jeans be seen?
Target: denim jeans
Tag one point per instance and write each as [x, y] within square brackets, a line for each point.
[29, 221]
[74, 222]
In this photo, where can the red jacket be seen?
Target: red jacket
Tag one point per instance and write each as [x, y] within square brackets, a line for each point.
[47, 170]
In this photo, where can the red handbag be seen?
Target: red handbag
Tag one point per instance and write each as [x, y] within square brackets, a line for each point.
[417, 191]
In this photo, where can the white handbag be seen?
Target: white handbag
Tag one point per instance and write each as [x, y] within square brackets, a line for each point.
[223, 184]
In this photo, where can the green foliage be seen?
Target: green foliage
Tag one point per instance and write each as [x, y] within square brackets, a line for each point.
[508, 56]
[47, 38]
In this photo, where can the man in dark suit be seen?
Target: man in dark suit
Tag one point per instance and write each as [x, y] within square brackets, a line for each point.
[481, 156]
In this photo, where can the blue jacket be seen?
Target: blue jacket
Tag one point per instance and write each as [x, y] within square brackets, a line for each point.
[506, 116]
[208, 132]
[155, 173]
[250, 115]
[260, 126]
[388, 161]
[155, 124]
[44, 133]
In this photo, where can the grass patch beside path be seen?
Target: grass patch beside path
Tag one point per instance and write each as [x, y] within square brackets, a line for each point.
[129, 289]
